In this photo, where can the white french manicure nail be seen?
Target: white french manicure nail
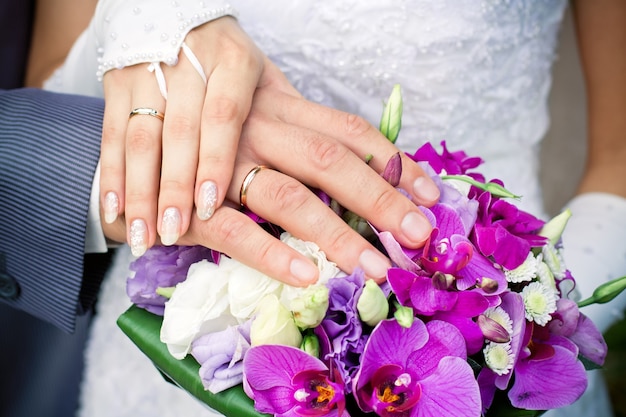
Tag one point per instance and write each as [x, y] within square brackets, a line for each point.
[138, 237]
[207, 199]
[111, 207]
[170, 226]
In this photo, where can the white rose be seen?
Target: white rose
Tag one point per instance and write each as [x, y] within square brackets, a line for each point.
[198, 306]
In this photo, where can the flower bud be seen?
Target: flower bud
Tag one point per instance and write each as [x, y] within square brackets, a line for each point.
[492, 330]
[309, 307]
[404, 315]
[391, 120]
[488, 285]
[372, 306]
[606, 292]
[393, 170]
[274, 325]
[553, 229]
[311, 345]
[442, 281]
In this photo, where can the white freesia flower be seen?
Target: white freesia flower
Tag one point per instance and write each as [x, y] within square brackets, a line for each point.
[198, 306]
[273, 324]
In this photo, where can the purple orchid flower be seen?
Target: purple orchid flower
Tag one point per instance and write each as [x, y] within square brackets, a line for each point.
[162, 266]
[453, 163]
[569, 322]
[505, 232]
[287, 382]
[458, 308]
[342, 326]
[416, 371]
[538, 355]
[220, 356]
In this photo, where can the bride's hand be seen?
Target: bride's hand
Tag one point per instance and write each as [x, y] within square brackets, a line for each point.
[152, 170]
[310, 144]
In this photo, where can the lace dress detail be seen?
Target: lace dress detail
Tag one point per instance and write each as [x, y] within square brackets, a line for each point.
[476, 74]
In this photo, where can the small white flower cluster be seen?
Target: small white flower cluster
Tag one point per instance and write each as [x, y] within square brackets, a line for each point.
[540, 271]
[499, 356]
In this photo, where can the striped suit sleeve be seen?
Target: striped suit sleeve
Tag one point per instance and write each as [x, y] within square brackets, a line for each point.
[49, 148]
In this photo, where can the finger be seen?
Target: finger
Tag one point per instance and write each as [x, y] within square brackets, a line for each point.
[238, 236]
[181, 138]
[227, 103]
[112, 148]
[361, 138]
[271, 194]
[322, 162]
[143, 163]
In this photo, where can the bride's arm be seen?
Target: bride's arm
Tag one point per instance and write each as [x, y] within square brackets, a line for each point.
[601, 30]
[57, 24]
[595, 249]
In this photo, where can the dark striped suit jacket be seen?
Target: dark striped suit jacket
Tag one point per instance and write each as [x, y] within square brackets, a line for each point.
[49, 147]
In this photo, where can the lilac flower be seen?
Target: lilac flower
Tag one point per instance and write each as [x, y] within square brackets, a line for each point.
[288, 382]
[220, 356]
[162, 266]
[342, 326]
[505, 232]
[416, 371]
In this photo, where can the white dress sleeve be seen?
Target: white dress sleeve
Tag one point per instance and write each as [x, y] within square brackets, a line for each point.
[123, 33]
[595, 252]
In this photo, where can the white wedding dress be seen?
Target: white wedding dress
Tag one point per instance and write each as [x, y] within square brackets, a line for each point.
[473, 73]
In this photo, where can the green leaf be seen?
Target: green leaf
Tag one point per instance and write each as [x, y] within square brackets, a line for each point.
[495, 189]
[143, 328]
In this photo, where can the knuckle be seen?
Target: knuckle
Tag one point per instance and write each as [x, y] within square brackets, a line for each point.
[384, 201]
[324, 153]
[111, 134]
[174, 185]
[289, 195]
[339, 240]
[229, 233]
[355, 126]
[223, 110]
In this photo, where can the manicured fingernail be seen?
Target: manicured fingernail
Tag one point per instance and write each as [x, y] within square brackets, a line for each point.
[424, 188]
[415, 227]
[374, 265]
[138, 237]
[170, 226]
[111, 207]
[304, 271]
[207, 199]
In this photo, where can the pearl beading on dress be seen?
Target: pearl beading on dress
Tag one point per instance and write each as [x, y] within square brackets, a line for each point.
[149, 32]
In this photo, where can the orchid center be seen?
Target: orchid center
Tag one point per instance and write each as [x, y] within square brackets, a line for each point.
[394, 392]
[325, 393]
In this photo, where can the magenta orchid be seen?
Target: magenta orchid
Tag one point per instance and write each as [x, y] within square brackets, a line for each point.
[416, 371]
[287, 382]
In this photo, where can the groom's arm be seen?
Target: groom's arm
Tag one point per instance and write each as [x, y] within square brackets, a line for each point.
[49, 148]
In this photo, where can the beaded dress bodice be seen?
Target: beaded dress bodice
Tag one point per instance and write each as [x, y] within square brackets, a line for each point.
[473, 73]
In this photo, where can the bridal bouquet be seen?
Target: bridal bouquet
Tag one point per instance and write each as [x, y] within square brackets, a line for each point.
[480, 321]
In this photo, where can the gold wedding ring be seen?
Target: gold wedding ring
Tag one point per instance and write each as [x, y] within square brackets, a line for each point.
[243, 192]
[147, 111]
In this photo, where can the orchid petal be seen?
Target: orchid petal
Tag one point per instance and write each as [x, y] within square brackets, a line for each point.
[551, 383]
[589, 340]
